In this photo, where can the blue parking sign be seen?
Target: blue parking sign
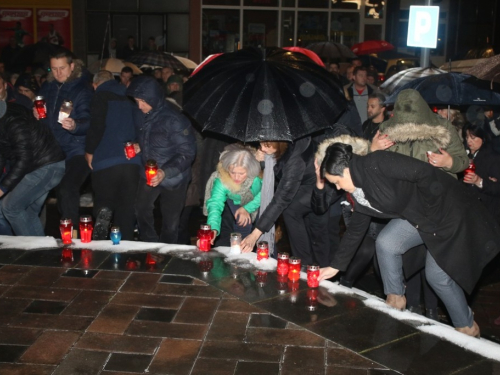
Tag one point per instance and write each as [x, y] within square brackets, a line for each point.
[423, 26]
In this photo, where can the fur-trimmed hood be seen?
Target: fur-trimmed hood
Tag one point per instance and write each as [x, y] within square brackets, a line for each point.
[360, 146]
[410, 132]
[75, 74]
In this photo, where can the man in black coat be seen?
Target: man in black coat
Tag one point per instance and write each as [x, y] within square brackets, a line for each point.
[31, 163]
[461, 236]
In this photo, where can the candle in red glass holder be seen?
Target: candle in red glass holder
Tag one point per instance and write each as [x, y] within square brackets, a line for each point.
[86, 228]
[66, 228]
[205, 237]
[40, 106]
[262, 250]
[282, 268]
[471, 168]
[312, 299]
[67, 255]
[261, 277]
[282, 283]
[151, 171]
[130, 150]
[312, 276]
[294, 268]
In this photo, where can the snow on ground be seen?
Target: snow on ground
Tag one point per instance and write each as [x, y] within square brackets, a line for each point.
[482, 347]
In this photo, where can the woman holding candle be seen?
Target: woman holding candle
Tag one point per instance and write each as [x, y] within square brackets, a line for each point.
[236, 183]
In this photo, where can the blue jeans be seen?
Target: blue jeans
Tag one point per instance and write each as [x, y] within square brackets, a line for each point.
[19, 208]
[397, 238]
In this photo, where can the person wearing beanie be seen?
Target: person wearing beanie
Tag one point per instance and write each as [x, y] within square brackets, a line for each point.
[27, 85]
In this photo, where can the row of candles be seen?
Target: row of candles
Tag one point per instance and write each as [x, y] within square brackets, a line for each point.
[86, 229]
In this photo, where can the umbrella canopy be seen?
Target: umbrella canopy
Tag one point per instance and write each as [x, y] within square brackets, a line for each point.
[331, 51]
[115, 66]
[156, 59]
[489, 69]
[189, 64]
[407, 75]
[255, 95]
[371, 46]
[454, 89]
[313, 56]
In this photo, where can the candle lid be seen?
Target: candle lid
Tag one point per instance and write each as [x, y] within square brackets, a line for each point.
[67, 103]
[66, 221]
[235, 235]
[294, 260]
[115, 229]
[86, 219]
[313, 267]
[151, 163]
[263, 245]
[39, 97]
[205, 227]
[283, 256]
[129, 143]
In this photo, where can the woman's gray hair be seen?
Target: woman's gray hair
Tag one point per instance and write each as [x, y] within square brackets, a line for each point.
[236, 155]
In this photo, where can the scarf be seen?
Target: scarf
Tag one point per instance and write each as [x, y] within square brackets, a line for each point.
[266, 195]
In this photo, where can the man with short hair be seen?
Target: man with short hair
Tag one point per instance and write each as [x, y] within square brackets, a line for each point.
[349, 73]
[68, 81]
[129, 49]
[359, 90]
[126, 76]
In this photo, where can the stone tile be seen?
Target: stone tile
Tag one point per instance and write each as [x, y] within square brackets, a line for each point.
[8, 256]
[82, 362]
[50, 347]
[128, 362]
[197, 310]
[422, 352]
[301, 360]
[86, 273]
[114, 319]
[88, 284]
[11, 274]
[148, 300]
[206, 366]
[266, 321]
[228, 326]
[330, 370]
[331, 344]
[140, 283]
[188, 290]
[91, 259]
[11, 353]
[21, 369]
[50, 258]
[112, 275]
[14, 268]
[41, 276]
[49, 294]
[88, 303]
[45, 307]
[293, 326]
[228, 296]
[252, 368]
[177, 356]
[219, 269]
[347, 358]
[283, 337]
[60, 322]
[171, 330]
[235, 305]
[118, 343]
[486, 366]
[156, 315]
[4, 288]
[18, 336]
[10, 308]
[171, 279]
[241, 351]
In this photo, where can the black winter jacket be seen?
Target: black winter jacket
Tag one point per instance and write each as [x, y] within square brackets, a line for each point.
[25, 145]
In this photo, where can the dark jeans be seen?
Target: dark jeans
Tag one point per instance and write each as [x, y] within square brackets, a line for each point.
[116, 188]
[68, 191]
[171, 204]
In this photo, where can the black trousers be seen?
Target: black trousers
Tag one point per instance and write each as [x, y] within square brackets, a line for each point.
[171, 205]
[308, 232]
[116, 188]
[68, 191]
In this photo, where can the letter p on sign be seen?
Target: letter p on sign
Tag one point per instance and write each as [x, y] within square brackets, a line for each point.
[423, 26]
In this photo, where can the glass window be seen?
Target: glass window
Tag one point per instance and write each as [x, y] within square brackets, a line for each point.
[313, 4]
[344, 28]
[346, 4]
[287, 28]
[261, 3]
[96, 25]
[312, 27]
[373, 32]
[260, 28]
[178, 32]
[164, 6]
[152, 27]
[374, 9]
[221, 2]
[116, 5]
[288, 3]
[220, 31]
[123, 26]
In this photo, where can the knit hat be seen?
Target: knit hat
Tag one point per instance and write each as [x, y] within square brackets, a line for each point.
[28, 81]
[174, 79]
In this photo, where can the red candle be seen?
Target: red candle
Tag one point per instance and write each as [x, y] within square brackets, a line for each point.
[282, 283]
[262, 250]
[312, 276]
[471, 168]
[130, 150]
[312, 299]
[261, 278]
[67, 255]
[294, 269]
[205, 237]
[86, 256]
[86, 228]
[151, 171]
[40, 106]
[282, 268]
[66, 228]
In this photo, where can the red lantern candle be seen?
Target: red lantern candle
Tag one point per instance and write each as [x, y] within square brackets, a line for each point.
[205, 237]
[86, 228]
[282, 268]
[294, 269]
[151, 171]
[282, 283]
[312, 299]
[67, 255]
[262, 250]
[471, 168]
[312, 276]
[40, 106]
[130, 150]
[261, 278]
[66, 228]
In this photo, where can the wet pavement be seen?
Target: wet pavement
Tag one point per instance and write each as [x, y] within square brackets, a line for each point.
[95, 312]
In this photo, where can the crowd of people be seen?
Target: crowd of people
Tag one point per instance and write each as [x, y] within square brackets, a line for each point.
[417, 190]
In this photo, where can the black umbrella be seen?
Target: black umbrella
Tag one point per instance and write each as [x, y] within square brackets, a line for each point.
[156, 59]
[453, 89]
[254, 95]
[331, 51]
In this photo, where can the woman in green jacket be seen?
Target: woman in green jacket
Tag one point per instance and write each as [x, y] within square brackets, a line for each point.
[236, 184]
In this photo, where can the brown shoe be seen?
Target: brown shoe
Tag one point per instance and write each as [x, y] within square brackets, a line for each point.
[471, 331]
[396, 301]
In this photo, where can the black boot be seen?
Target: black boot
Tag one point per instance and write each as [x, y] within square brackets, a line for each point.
[102, 221]
[345, 283]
